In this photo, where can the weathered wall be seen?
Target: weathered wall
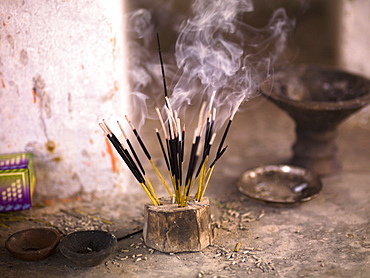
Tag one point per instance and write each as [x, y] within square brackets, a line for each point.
[355, 36]
[60, 66]
[354, 42]
[62, 70]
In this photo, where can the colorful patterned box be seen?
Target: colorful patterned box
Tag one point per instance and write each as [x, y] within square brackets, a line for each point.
[17, 181]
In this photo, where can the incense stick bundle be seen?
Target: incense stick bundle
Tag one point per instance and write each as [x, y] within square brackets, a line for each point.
[174, 149]
[173, 153]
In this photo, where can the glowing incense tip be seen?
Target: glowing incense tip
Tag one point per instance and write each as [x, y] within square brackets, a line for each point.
[201, 114]
[168, 104]
[237, 107]
[122, 130]
[198, 151]
[172, 134]
[107, 127]
[212, 139]
[162, 122]
[175, 122]
[129, 122]
[104, 128]
[214, 114]
[212, 100]
[179, 128]
[196, 133]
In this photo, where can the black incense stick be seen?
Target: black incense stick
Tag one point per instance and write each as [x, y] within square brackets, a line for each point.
[131, 148]
[228, 126]
[118, 146]
[145, 150]
[162, 67]
[163, 149]
[218, 156]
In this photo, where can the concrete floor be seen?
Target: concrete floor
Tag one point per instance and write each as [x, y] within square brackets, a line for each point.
[328, 236]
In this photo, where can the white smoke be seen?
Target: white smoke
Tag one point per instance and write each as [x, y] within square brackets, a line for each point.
[143, 68]
[215, 51]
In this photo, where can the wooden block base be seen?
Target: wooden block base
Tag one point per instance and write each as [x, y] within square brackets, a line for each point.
[171, 229]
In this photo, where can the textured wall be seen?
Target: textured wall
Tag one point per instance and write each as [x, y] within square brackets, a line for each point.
[60, 66]
[62, 70]
[354, 44]
[355, 36]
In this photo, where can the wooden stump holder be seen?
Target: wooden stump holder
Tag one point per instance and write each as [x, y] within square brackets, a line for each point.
[171, 229]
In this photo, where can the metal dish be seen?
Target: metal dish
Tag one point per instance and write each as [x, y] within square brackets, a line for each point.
[88, 248]
[280, 184]
[33, 244]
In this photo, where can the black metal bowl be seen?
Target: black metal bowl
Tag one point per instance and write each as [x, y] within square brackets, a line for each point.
[280, 184]
[88, 248]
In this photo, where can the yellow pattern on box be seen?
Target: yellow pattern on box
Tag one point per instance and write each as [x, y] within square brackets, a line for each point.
[17, 181]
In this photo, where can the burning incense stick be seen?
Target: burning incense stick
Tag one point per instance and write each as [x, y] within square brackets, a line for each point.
[229, 124]
[162, 67]
[131, 148]
[162, 148]
[162, 122]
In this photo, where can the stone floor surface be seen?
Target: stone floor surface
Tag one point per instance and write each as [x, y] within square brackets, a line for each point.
[328, 236]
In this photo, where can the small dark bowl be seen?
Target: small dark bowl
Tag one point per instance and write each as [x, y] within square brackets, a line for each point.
[280, 184]
[88, 248]
[33, 244]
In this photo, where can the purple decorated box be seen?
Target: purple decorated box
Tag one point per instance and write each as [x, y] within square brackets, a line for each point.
[17, 181]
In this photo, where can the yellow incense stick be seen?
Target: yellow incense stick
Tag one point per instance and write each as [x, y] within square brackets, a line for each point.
[209, 174]
[202, 175]
[150, 195]
[151, 189]
[191, 185]
[161, 178]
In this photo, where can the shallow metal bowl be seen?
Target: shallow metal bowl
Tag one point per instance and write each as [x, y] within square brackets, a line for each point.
[33, 244]
[88, 248]
[280, 184]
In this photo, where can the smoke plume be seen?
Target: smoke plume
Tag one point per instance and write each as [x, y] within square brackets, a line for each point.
[215, 51]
